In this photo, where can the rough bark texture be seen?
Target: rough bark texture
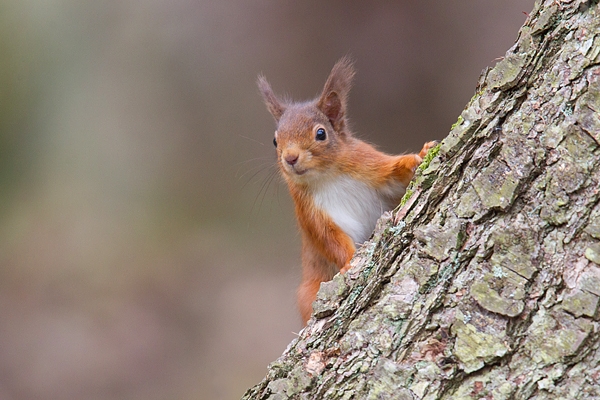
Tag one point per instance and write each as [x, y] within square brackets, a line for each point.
[485, 284]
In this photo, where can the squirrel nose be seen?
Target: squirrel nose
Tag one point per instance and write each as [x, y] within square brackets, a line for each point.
[291, 158]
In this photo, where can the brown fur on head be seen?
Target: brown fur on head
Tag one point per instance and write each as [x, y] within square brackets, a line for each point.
[308, 133]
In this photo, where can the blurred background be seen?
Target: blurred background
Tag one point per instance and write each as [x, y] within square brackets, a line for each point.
[148, 250]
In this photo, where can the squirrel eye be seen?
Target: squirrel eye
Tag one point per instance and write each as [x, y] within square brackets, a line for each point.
[274, 142]
[321, 135]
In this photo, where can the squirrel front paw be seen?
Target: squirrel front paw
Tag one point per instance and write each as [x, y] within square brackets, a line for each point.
[426, 147]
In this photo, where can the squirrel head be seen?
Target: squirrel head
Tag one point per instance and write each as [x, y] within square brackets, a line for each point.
[310, 135]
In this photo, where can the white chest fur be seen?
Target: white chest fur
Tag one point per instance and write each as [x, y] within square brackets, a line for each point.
[353, 205]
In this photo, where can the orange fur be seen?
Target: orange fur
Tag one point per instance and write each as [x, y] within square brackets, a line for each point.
[332, 176]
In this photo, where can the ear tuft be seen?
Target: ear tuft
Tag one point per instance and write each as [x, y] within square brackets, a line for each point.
[334, 99]
[274, 105]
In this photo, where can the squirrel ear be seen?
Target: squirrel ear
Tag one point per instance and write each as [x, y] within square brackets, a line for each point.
[334, 98]
[275, 107]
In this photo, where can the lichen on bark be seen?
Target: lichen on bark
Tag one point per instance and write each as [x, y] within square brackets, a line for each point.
[486, 282]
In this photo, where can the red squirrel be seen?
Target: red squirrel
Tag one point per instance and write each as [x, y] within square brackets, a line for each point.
[340, 185]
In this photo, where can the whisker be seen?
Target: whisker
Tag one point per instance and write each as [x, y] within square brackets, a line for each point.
[263, 190]
[241, 165]
[257, 168]
[262, 169]
[267, 170]
[251, 139]
[252, 160]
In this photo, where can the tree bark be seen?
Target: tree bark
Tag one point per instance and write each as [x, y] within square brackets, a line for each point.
[485, 283]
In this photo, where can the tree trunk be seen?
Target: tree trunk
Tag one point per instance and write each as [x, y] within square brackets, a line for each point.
[485, 283]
